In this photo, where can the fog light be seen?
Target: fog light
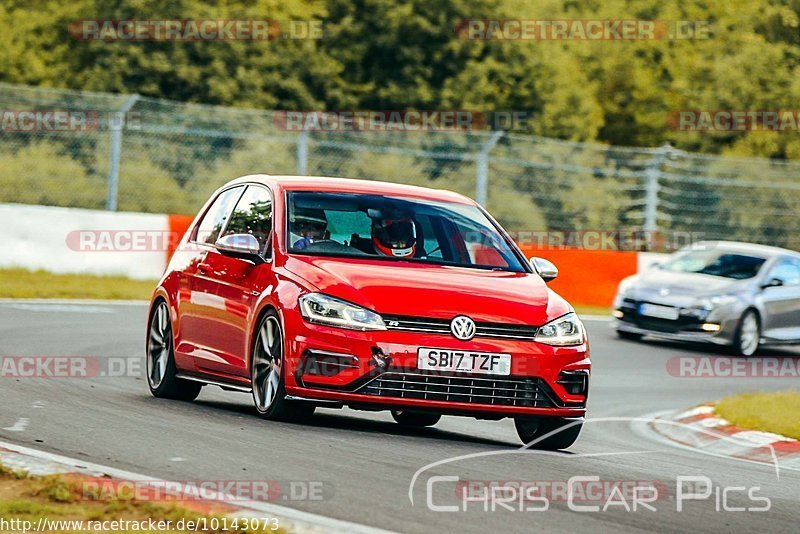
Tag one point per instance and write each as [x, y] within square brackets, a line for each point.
[574, 382]
[710, 327]
[324, 363]
[618, 314]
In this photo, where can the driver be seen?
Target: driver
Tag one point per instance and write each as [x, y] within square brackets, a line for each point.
[308, 225]
[395, 237]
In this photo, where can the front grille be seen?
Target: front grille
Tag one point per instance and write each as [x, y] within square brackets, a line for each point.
[527, 392]
[442, 326]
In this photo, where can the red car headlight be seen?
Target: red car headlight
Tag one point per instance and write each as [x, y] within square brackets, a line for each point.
[327, 310]
[565, 331]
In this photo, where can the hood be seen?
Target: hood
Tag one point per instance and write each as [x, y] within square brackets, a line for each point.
[679, 289]
[433, 291]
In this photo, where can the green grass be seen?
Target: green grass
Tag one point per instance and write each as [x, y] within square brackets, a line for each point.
[769, 412]
[21, 283]
[56, 497]
[591, 310]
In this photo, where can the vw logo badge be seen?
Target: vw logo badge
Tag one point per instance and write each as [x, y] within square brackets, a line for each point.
[462, 327]
[664, 292]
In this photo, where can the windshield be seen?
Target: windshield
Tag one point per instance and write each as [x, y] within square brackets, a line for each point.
[727, 264]
[396, 229]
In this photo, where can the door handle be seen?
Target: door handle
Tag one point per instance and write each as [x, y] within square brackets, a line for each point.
[203, 267]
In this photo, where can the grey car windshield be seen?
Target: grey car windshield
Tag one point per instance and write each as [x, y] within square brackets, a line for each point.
[716, 262]
[423, 231]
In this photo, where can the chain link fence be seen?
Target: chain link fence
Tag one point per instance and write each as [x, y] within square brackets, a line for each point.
[130, 153]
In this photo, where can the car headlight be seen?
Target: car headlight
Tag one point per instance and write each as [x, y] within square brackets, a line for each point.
[323, 309]
[562, 332]
[709, 303]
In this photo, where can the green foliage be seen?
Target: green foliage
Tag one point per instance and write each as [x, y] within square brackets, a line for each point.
[404, 54]
[40, 174]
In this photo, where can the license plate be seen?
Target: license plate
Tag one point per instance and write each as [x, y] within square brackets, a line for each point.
[661, 312]
[464, 361]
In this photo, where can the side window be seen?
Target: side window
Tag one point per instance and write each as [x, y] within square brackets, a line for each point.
[787, 271]
[217, 215]
[429, 242]
[253, 215]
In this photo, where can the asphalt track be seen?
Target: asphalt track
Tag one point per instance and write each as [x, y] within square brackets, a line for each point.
[364, 461]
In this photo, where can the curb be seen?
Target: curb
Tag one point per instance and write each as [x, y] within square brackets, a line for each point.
[40, 463]
[702, 429]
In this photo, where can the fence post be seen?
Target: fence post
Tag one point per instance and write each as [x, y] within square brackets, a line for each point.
[482, 179]
[302, 153]
[652, 175]
[116, 152]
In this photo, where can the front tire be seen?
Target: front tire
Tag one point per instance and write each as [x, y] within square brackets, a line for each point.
[415, 419]
[161, 371]
[267, 374]
[530, 429]
[748, 334]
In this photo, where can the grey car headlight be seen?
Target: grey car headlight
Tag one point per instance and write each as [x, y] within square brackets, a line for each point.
[717, 301]
[327, 310]
[565, 331]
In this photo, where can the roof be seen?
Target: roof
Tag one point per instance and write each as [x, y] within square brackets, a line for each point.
[751, 248]
[349, 185]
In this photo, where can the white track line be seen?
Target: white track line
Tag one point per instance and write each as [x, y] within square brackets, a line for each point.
[19, 426]
[305, 521]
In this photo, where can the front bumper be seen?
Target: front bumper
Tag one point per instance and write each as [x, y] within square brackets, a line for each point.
[693, 337]
[378, 370]
[688, 327]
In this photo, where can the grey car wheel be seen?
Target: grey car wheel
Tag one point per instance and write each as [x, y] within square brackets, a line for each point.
[748, 334]
[267, 374]
[160, 358]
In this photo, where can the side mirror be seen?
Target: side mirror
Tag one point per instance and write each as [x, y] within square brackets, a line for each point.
[243, 246]
[544, 268]
[774, 282]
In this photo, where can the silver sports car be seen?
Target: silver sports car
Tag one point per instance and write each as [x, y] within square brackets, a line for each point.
[735, 294]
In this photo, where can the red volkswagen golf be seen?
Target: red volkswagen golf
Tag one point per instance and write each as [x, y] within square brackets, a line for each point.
[330, 292]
